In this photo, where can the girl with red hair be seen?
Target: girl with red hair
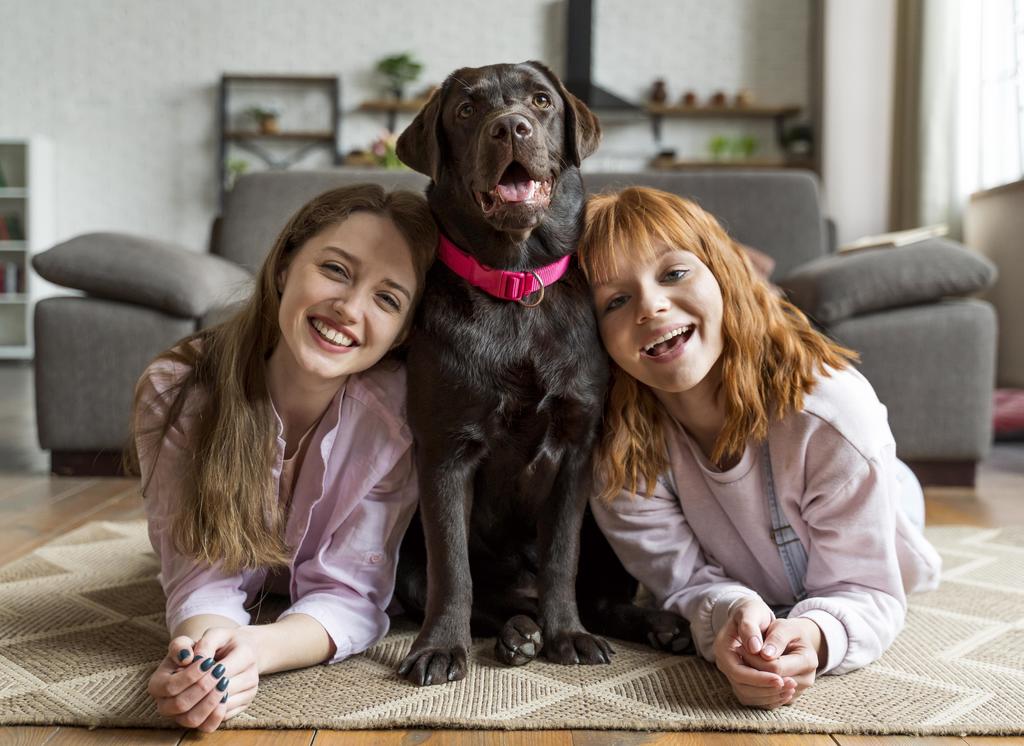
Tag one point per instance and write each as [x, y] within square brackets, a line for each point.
[750, 479]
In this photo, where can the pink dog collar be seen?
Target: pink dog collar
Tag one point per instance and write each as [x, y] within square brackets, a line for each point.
[499, 282]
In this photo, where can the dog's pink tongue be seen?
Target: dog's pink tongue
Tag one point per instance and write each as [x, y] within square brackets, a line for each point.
[516, 191]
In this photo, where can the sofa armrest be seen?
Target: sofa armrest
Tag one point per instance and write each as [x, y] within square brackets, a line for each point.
[143, 271]
[838, 287]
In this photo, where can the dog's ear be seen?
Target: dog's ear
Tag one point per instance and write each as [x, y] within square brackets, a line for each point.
[419, 145]
[582, 130]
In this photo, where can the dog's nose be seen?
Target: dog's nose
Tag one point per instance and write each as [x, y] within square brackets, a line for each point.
[513, 125]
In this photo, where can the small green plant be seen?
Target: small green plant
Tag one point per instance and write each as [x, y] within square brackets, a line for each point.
[399, 70]
[745, 147]
[718, 146]
[264, 116]
[235, 167]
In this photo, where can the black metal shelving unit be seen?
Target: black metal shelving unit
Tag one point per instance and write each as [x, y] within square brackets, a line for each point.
[259, 144]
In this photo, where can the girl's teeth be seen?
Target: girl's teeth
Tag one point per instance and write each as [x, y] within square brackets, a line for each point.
[665, 338]
[331, 335]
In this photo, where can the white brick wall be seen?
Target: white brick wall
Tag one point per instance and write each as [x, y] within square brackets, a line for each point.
[127, 89]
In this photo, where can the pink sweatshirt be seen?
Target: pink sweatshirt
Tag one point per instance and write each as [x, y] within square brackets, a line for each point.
[353, 498]
[835, 472]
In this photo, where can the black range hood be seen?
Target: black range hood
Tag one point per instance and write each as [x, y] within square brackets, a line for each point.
[580, 57]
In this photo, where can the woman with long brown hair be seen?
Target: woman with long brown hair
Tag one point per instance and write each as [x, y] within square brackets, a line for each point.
[275, 457]
[772, 511]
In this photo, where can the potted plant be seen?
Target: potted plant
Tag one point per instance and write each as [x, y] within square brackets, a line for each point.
[266, 118]
[745, 146]
[385, 151]
[399, 70]
[718, 146]
[234, 167]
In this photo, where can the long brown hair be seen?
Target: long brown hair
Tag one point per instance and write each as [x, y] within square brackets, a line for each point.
[771, 353]
[229, 511]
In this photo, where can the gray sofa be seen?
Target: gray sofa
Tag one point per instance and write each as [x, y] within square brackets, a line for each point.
[930, 356]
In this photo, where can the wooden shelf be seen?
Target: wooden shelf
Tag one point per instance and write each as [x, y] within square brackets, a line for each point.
[722, 112]
[277, 150]
[243, 135]
[298, 79]
[411, 106]
[752, 163]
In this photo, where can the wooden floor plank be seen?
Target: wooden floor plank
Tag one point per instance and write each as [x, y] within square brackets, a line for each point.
[26, 529]
[302, 737]
[994, 740]
[115, 737]
[898, 740]
[635, 738]
[26, 735]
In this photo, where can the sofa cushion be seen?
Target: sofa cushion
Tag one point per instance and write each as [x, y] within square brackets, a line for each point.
[778, 212]
[150, 273]
[838, 287]
[261, 203]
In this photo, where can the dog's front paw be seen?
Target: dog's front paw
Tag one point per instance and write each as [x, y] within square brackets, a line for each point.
[434, 665]
[519, 642]
[578, 647]
[669, 632]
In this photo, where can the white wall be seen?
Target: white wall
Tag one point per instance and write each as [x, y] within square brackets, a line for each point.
[857, 114]
[127, 89]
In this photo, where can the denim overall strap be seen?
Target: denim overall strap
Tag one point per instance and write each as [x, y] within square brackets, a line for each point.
[794, 557]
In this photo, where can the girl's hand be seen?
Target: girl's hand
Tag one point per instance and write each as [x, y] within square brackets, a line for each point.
[181, 686]
[793, 649]
[217, 683]
[740, 638]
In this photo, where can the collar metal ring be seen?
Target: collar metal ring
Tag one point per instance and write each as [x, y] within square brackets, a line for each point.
[541, 291]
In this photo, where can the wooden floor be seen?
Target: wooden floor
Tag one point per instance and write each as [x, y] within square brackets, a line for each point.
[35, 508]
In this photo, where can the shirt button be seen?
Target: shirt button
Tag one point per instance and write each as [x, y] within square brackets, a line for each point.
[374, 558]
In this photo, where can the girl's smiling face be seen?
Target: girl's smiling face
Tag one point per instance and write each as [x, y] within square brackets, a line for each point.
[661, 320]
[346, 295]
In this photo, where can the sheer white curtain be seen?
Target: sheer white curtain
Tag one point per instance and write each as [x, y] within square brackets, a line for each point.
[972, 78]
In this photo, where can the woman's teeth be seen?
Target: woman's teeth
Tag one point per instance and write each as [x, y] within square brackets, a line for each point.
[332, 335]
[649, 349]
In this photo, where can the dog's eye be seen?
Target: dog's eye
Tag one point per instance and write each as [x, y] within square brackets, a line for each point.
[465, 111]
[541, 100]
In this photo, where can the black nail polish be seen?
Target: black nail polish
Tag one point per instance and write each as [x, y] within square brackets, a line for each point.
[224, 698]
[183, 654]
[197, 658]
[217, 671]
[223, 684]
[207, 664]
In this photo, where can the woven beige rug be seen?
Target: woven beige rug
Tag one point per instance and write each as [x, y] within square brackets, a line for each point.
[81, 626]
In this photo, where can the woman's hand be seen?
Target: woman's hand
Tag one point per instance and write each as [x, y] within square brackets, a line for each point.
[793, 649]
[216, 679]
[740, 639]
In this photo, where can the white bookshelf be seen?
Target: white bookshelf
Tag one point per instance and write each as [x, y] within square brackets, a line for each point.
[26, 227]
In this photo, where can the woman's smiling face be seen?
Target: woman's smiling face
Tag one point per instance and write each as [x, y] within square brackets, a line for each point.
[661, 320]
[345, 297]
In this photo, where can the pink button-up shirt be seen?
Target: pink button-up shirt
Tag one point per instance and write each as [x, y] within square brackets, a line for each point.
[836, 478]
[353, 498]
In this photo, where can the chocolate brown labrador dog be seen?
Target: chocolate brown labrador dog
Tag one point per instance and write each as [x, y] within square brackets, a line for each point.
[507, 379]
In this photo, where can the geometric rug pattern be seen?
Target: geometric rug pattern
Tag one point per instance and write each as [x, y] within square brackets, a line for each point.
[82, 627]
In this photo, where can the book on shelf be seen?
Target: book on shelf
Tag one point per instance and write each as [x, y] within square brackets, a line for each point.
[895, 238]
[14, 227]
[10, 227]
[12, 278]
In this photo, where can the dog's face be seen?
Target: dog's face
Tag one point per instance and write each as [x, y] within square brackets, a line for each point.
[498, 138]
